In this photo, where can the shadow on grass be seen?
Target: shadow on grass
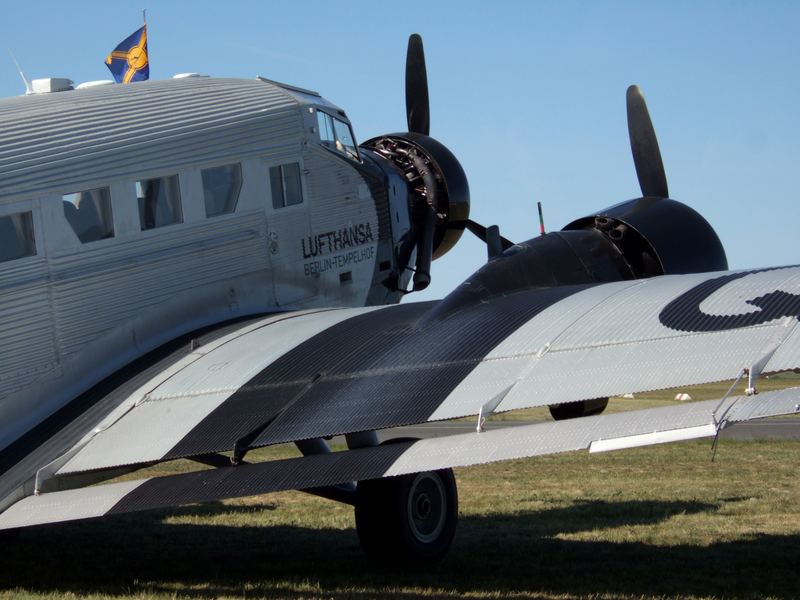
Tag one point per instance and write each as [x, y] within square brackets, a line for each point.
[140, 554]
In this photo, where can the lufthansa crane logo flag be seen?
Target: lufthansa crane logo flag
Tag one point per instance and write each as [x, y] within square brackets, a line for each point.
[128, 61]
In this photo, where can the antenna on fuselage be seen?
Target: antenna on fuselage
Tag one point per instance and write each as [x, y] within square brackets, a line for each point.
[541, 219]
[28, 88]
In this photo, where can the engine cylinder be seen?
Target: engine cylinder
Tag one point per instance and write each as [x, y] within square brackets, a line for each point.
[452, 191]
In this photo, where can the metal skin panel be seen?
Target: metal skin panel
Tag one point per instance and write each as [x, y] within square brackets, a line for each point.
[67, 427]
[70, 505]
[397, 366]
[147, 423]
[509, 362]
[54, 141]
[686, 421]
[339, 197]
[374, 371]
[787, 356]
[27, 351]
[95, 307]
[106, 283]
[618, 344]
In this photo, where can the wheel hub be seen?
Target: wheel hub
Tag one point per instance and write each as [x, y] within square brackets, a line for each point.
[427, 507]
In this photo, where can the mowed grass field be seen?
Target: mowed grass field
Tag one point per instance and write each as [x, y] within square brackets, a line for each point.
[659, 522]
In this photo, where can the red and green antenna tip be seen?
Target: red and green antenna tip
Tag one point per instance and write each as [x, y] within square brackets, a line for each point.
[541, 219]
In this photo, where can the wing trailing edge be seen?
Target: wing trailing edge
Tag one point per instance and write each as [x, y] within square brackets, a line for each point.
[597, 433]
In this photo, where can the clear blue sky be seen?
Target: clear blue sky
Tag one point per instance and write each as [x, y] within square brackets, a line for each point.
[529, 95]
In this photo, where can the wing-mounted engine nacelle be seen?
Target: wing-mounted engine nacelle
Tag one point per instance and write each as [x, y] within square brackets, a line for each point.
[437, 194]
[658, 236]
[638, 238]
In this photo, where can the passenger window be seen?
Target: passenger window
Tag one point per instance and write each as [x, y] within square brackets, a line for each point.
[89, 214]
[159, 202]
[16, 236]
[287, 189]
[221, 186]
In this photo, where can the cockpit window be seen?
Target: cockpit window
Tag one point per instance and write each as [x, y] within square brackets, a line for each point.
[336, 135]
[345, 137]
[89, 214]
[326, 135]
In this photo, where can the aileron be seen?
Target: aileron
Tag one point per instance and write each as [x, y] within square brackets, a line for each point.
[597, 434]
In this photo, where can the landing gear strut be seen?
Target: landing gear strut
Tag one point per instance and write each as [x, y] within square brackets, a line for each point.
[410, 518]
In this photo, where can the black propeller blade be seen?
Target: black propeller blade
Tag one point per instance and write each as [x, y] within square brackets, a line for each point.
[417, 106]
[644, 146]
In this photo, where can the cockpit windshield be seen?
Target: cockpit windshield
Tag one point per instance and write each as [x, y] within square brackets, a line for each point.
[336, 135]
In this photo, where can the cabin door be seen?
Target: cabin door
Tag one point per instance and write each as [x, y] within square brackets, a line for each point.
[288, 233]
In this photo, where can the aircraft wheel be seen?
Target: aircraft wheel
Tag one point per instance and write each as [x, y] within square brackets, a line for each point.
[582, 408]
[410, 518]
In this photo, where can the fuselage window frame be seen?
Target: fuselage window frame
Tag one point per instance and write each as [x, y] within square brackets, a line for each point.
[89, 214]
[159, 200]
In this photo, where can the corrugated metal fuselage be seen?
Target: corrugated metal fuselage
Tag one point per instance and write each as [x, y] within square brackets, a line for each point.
[75, 312]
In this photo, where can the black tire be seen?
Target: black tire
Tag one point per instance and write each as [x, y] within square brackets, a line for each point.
[409, 518]
[582, 408]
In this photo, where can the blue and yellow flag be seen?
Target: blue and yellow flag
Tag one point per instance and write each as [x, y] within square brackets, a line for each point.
[128, 61]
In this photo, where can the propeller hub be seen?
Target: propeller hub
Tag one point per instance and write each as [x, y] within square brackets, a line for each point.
[451, 191]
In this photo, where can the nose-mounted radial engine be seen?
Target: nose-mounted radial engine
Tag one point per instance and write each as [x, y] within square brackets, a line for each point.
[437, 188]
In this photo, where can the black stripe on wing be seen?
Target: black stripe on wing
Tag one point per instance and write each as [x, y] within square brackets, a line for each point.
[382, 369]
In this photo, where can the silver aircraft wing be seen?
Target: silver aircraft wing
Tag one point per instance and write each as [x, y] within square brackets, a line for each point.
[597, 434]
[309, 375]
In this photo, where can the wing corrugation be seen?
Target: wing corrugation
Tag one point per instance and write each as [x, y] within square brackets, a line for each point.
[618, 344]
[643, 427]
[54, 141]
[165, 410]
[373, 371]
[396, 366]
[766, 404]
[302, 473]
[787, 355]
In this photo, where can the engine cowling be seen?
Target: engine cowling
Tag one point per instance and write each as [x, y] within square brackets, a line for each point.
[639, 238]
[658, 236]
[437, 192]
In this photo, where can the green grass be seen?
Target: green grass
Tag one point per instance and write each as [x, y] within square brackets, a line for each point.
[661, 522]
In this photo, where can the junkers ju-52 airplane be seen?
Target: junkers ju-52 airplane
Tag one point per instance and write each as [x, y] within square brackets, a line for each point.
[198, 267]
